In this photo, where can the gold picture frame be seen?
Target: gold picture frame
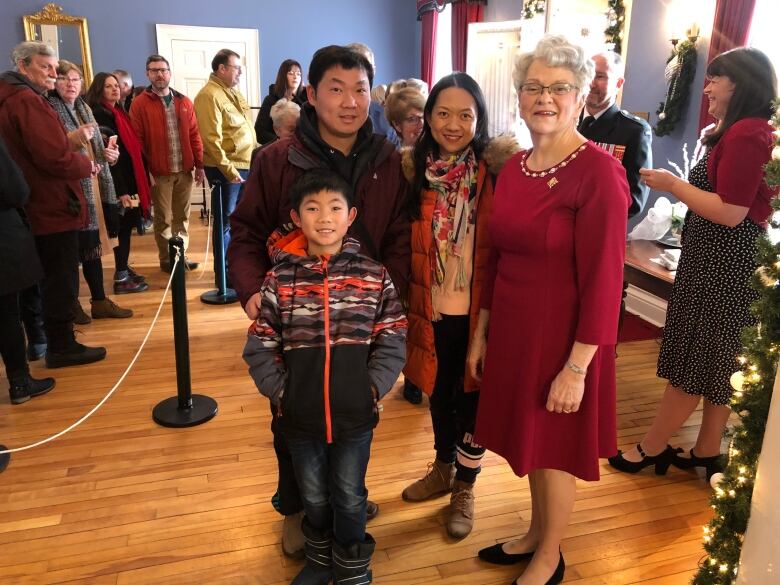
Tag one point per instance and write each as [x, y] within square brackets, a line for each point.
[68, 30]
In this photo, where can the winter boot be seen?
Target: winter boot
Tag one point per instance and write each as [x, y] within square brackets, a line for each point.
[23, 387]
[318, 569]
[350, 563]
[293, 541]
[460, 514]
[74, 354]
[79, 316]
[108, 309]
[437, 481]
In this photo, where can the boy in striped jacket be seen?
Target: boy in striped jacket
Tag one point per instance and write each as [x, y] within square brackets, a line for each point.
[329, 343]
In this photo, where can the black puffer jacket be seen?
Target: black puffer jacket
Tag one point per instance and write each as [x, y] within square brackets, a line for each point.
[264, 126]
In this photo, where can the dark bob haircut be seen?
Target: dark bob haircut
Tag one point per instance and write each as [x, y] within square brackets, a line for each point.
[94, 95]
[427, 145]
[752, 73]
[316, 180]
[334, 55]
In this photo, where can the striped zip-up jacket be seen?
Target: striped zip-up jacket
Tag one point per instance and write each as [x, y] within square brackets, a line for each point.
[329, 330]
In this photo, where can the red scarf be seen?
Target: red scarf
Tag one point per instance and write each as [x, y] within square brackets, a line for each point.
[133, 147]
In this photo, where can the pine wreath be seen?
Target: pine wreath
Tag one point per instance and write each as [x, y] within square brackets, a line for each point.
[533, 7]
[672, 110]
[616, 14]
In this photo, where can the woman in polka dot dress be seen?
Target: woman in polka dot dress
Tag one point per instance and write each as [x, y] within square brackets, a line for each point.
[729, 206]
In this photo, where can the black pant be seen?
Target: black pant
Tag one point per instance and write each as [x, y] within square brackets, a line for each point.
[31, 309]
[59, 254]
[127, 224]
[93, 274]
[12, 336]
[453, 411]
[289, 495]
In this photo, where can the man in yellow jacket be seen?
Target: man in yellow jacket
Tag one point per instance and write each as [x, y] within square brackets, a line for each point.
[228, 135]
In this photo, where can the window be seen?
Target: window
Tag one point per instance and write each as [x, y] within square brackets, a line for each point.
[443, 64]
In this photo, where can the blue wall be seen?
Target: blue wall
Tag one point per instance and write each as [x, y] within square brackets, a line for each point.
[122, 32]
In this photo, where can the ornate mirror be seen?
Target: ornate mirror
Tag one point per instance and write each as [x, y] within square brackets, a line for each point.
[67, 34]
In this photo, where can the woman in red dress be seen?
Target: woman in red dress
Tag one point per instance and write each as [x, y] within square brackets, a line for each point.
[544, 343]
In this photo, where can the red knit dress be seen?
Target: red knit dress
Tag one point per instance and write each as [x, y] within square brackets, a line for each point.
[555, 276]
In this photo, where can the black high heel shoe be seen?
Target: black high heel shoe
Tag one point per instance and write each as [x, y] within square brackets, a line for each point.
[662, 461]
[557, 576]
[711, 465]
[496, 555]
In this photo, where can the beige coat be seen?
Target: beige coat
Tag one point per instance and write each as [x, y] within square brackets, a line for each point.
[225, 125]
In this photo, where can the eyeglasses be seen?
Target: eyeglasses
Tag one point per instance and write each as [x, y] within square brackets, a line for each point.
[554, 89]
[68, 80]
[160, 70]
[414, 120]
[236, 67]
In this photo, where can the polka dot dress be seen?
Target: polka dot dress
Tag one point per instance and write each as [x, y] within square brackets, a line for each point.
[710, 302]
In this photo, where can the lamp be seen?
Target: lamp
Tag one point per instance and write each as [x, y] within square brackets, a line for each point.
[679, 15]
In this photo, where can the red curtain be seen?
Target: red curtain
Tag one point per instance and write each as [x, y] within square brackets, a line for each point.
[730, 29]
[429, 19]
[463, 13]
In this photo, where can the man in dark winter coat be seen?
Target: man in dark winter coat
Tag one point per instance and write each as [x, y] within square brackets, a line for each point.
[333, 132]
[57, 209]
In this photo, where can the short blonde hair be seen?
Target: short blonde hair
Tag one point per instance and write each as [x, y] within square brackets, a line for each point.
[283, 108]
[556, 51]
[65, 66]
[399, 103]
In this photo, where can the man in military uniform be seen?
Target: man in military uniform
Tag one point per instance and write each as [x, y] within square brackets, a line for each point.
[621, 134]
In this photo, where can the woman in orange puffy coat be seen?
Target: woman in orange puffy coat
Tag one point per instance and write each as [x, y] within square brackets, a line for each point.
[451, 197]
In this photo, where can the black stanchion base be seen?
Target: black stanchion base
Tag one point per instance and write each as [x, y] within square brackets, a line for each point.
[4, 458]
[213, 297]
[168, 414]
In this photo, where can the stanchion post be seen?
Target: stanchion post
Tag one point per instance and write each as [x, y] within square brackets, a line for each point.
[223, 295]
[185, 409]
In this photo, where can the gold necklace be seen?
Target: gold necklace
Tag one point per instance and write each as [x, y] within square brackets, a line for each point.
[551, 170]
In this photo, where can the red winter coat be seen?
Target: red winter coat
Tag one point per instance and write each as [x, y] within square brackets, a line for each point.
[148, 117]
[37, 142]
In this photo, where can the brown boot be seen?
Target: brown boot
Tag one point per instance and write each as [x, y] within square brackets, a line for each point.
[460, 515]
[79, 316]
[437, 482]
[108, 309]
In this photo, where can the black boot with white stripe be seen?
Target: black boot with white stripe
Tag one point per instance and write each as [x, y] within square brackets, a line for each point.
[350, 563]
[318, 570]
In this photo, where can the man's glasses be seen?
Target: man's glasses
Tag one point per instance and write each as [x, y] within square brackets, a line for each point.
[554, 89]
[236, 67]
[158, 70]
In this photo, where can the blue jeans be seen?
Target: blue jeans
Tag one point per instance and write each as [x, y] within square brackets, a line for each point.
[228, 194]
[332, 482]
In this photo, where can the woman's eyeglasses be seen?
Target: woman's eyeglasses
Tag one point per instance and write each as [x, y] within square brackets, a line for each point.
[69, 80]
[554, 89]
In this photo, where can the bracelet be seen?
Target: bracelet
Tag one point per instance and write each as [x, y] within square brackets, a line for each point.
[576, 369]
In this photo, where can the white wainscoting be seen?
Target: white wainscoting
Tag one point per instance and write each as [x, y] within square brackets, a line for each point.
[649, 307]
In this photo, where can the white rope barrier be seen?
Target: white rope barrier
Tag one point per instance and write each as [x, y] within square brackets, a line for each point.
[208, 239]
[121, 378]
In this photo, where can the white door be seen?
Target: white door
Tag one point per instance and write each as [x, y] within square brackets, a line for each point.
[190, 50]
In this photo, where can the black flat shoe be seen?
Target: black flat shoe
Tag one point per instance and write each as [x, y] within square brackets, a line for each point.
[496, 555]
[712, 465]
[557, 576]
[662, 461]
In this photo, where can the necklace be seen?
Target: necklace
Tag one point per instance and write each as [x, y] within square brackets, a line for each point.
[551, 170]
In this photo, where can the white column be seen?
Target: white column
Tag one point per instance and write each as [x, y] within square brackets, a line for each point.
[760, 560]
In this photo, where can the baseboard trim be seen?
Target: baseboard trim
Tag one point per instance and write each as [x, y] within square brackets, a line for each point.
[649, 307]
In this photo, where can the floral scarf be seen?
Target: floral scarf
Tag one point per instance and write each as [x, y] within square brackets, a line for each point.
[454, 180]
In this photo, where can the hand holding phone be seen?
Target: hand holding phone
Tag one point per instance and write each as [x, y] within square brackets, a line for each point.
[112, 142]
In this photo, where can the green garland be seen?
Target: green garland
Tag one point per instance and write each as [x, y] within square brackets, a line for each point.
[616, 15]
[753, 393]
[672, 111]
[533, 7]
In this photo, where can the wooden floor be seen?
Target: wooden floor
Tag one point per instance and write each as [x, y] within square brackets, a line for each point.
[121, 500]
